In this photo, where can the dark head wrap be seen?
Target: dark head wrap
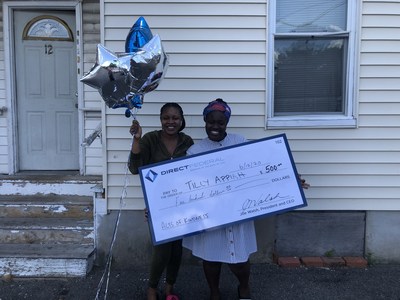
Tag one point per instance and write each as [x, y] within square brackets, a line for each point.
[217, 105]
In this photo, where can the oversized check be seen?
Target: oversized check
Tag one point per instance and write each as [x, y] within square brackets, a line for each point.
[200, 192]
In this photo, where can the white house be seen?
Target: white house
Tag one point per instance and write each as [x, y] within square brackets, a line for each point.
[325, 73]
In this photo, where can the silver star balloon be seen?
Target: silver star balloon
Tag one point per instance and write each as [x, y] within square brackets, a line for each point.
[148, 67]
[109, 77]
[120, 78]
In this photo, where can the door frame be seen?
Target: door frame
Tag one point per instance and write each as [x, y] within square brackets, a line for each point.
[9, 58]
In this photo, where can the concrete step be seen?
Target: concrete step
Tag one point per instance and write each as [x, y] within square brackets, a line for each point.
[47, 230]
[46, 223]
[28, 183]
[45, 250]
[46, 226]
[60, 206]
[50, 260]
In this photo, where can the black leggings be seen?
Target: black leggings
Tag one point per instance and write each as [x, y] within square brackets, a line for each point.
[165, 256]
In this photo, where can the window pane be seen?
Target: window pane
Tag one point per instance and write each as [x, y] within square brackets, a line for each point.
[48, 28]
[310, 15]
[309, 76]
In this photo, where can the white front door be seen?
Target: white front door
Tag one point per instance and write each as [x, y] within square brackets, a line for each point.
[46, 88]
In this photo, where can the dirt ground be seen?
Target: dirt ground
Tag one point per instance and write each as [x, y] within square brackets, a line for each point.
[268, 281]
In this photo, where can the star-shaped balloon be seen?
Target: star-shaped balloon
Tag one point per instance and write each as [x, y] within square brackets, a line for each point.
[139, 35]
[109, 77]
[122, 79]
[147, 66]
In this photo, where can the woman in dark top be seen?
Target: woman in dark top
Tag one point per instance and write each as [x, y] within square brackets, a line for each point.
[156, 146]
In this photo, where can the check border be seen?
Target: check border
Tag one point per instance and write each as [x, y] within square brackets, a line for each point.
[154, 199]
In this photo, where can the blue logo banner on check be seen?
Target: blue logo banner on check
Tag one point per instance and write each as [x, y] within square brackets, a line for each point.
[221, 187]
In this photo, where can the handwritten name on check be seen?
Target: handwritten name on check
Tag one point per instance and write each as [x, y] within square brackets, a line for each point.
[213, 189]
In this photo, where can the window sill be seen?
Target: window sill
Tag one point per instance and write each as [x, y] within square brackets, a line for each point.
[311, 122]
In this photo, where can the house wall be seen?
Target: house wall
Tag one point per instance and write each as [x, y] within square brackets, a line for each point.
[92, 102]
[220, 52]
[218, 49]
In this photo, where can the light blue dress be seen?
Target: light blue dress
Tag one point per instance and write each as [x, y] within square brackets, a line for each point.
[231, 244]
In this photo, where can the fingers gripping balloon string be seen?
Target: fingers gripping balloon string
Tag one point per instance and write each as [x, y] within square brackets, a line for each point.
[107, 269]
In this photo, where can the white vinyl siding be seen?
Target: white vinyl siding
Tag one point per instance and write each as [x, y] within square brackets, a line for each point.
[93, 163]
[219, 49]
[360, 169]
[3, 103]
[216, 49]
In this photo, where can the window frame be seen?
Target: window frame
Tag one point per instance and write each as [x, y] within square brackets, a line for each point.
[346, 120]
[35, 22]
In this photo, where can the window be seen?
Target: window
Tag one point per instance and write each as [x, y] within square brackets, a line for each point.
[47, 28]
[311, 59]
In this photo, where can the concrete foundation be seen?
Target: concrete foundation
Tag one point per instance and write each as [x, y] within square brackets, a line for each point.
[132, 246]
[320, 233]
[383, 236]
[373, 235]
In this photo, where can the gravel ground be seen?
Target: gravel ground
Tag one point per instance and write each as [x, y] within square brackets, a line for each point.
[268, 281]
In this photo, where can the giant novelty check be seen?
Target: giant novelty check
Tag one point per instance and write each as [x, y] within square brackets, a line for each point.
[216, 188]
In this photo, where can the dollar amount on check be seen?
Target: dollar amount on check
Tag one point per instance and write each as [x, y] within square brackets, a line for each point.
[201, 192]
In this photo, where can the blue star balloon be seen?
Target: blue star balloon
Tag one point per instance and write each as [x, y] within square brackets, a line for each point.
[138, 36]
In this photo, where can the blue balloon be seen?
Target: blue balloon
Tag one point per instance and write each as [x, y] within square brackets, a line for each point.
[128, 113]
[136, 101]
[138, 36]
[132, 101]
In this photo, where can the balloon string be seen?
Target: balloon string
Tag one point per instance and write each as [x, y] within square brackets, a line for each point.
[122, 203]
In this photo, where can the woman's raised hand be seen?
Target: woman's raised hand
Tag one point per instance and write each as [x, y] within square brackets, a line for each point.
[303, 182]
[136, 129]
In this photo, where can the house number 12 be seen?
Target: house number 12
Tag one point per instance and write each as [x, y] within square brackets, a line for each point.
[48, 49]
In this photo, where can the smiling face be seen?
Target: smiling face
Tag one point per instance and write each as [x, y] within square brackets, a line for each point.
[171, 120]
[216, 123]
